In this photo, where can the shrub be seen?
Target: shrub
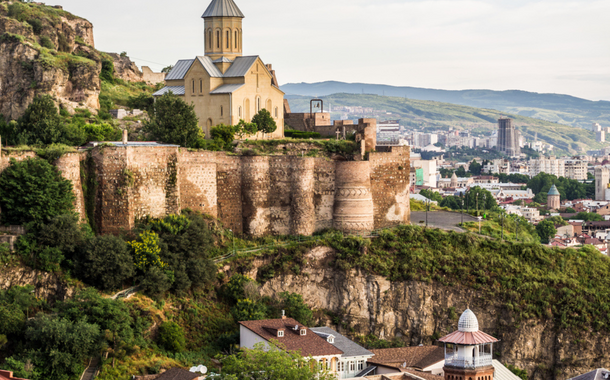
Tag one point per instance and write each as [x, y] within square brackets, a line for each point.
[249, 310]
[233, 290]
[46, 42]
[141, 102]
[36, 27]
[33, 191]
[104, 262]
[264, 122]
[224, 134]
[173, 121]
[171, 337]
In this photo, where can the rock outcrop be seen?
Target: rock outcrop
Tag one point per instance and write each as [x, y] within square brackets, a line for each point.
[57, 57]
[47, 286]
[420, 312]
[125, 69]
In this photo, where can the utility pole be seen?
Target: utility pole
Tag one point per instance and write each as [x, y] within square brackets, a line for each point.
[477, 204]
[427, 208]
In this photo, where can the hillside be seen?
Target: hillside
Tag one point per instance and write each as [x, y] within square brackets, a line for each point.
[562, 109]
[435, 115]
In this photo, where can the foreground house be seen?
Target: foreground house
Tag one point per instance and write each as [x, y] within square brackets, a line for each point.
[8, 375]
[597, 374]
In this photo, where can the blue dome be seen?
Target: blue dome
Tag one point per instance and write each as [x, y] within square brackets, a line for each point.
[553, 191]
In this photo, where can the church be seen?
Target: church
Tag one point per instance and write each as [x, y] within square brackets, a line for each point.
[223, 85]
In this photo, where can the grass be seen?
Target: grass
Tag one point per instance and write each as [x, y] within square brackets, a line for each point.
[345, 148]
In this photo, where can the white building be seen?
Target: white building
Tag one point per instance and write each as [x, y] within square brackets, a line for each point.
[428, 171]
[551, 165]
[354, 358]
[576, 169]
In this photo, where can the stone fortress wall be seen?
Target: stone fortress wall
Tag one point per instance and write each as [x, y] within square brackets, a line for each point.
[253, 195]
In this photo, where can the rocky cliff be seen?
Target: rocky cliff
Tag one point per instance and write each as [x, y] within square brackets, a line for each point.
[48, 286]
[420, 312]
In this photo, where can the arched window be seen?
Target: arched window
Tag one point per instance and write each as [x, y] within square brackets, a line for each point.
[239, 111]
[221, 111]
[228, 39]
[218, 39]
[209, 123]
[269, 105]
[276, 112]
[236, 33]
[258, 104]
[247, 109]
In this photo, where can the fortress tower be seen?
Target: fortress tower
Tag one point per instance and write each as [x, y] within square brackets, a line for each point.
[223, 32]
[468, 351]
[508, 138]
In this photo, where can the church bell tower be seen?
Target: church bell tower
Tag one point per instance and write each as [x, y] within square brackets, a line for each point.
[223, 30]
[468, 351]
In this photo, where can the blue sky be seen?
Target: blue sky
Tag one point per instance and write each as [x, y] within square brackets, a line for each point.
[554, 46]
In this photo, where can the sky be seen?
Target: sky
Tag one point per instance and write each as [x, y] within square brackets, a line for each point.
[556, 46]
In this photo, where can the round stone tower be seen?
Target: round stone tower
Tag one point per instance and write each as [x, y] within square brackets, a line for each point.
[353, 210]
[454, 181]
[553, 200]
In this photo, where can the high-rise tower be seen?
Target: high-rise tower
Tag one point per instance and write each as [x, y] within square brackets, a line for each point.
[223, 31]
[508, 138]
[468, 351]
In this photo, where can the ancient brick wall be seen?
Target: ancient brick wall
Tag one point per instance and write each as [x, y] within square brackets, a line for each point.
[390, 187]
[302, 210]
[279, 196]
[256, 186]
[198, 181]
[229, 197]
[70, 168]
[324, 193]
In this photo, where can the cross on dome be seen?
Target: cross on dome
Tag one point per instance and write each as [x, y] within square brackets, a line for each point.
[468, 322]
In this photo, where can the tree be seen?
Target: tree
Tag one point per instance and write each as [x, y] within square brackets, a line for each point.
[104, 262]
[243, 129]
[264, 122]
[295, 307]
[273, 363]
[171, 337]
[249, 310]
[486, 201]
[475, 168]
[64, 232]
[432, 195]
[174, 122]
[453, 202]
[59, 347]
[546, 230]
[589, 217]
[33, 191]
[224, 135]
[569, 210]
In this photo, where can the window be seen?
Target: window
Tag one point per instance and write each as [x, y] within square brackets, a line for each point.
[201, 86]
[360, 365]
[303, 332]
[193, 86]
[210, 38]
[276, 112]
[280, 333]
[228, 39]
[236, 39]
[331, 339]
[221, 113]
[218, 39]
[352, 366]
[258, 104]
[239, 111]
[340, 367]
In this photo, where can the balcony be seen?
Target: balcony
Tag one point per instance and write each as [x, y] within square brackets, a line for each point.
[460, 362]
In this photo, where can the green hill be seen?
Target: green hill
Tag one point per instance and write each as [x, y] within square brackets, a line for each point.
[432, 115]
[557, 108]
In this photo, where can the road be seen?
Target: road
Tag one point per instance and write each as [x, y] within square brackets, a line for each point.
[441, 219]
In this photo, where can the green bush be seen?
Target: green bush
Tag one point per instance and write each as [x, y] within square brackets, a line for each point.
[37, 27]
[104, 262]
[249, 310]
[233, 290]
[173, 121]
[46, 42]
[301, 135]
[171, 337]
[33, 191]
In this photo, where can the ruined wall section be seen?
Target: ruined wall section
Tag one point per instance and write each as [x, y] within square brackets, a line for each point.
[70, 169]
[390, 187]
[256, 187]
[5, 160]
[198, 181]
[280, 194]
[324, 193]
[229, 191]
[302, 209]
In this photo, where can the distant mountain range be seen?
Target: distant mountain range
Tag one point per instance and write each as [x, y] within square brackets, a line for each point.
[562, 109]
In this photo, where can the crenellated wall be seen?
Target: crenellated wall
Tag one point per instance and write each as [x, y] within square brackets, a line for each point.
[254, 195]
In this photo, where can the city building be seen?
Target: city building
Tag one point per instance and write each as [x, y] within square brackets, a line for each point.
[553, 199]
[551, 165]
[427, 359]
[602, 181]
[508, 138]
[576, 169]
[601, 136]
[223, 85]
[354, 358]
[468, 351]
[425, 173]
[497, 166]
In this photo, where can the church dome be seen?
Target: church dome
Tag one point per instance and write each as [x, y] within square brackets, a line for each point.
[454, 176]
[468, 322]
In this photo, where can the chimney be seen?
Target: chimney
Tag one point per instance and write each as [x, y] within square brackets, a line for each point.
[283, 314]
[125, 137]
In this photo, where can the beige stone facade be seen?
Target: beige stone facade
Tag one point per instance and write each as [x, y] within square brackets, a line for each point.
[223, 85]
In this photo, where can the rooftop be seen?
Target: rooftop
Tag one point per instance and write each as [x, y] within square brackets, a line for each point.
[597, 374]
[309, 344]
[222, 8]
[408, 357]
[344, 344]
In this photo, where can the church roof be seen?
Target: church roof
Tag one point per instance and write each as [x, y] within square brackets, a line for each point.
[209, 66]
[553, 191]
[176, 90]
[222, 8]
[222, 60]
[227, 88]
[179, 70]
[240, 66]
[468, 338]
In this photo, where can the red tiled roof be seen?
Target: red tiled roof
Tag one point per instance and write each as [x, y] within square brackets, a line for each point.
[459, 337]
[593, 241]
[424, 375]
[7, 375]
[309, 344]
[414, 357]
